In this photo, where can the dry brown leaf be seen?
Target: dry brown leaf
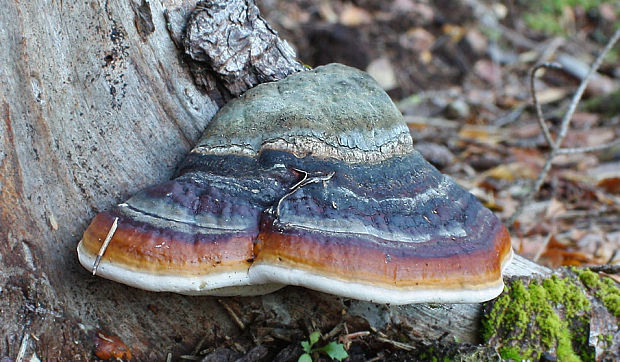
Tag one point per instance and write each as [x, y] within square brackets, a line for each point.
[550, 95]
[588, 137]
[554, 209]
[608, 12]
[512, 171]
[558, 254]
[417, 39]
[611, 185]
[607, 176]
[423, 13]
[600, 246]
[383, 72]
[482, 134]
[509, 205]
[486, 198]
[528, 156]
[476, 40]
[530, 246]
[455, 32]
[501, 172]
[488, 70]
[352, 15]
[426, 56]
[327, 12]
[614, 277]
[525, 130]
[584, 120]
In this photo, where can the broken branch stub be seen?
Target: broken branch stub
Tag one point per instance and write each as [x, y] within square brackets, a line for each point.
[312, 181]
[238, 45]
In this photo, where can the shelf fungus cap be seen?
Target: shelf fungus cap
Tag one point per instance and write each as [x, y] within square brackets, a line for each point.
[311, 181]
[193, 235]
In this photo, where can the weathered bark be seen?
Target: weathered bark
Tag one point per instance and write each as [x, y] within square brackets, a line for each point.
[237, 45]
[97, 102]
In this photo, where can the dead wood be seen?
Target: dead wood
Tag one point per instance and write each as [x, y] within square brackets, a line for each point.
[97, 101]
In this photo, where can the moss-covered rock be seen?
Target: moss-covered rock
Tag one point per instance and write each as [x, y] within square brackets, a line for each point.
[537, 316]
[603, 288]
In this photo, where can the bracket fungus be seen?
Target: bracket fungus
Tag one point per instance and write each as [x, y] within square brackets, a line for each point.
[311, 181]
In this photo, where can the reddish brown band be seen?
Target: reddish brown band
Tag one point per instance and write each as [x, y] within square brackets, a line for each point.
[358, 261]
[145, 248]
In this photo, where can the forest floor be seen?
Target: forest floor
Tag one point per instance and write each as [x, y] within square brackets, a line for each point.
[459, 72]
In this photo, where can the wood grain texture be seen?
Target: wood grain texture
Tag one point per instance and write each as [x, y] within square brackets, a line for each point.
[91, 111]
[96, 102]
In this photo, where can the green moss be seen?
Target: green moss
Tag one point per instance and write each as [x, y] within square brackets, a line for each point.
[554, 331]
[603, 288]
[606, 340]
[518, 314]
[566, 292]
[608, 103]
[548, 15]
[550, 315]
[512, 353]
[544, 22]
[589, 278]
[495, 317]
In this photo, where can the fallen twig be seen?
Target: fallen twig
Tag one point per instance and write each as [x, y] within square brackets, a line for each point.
[22, 349]
[336, 330]
[232, 314]
[347, 339]
[399, 345]
[557, 144]
[105, 244]
[189, 357]
[540, 117]
[563, 151]
[606, 268]
[199, 345]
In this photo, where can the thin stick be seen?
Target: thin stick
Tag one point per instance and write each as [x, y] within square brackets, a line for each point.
[564, 151]
[540, 117]
[305, 181]
[199, 345]
[22, 349]
[582, 87]
[105, 244]
[190, 357]
[348, 338]
[232, 314]
[334, 331]
[564, 127]
[400, 345]
[300, 181]
[356, 335]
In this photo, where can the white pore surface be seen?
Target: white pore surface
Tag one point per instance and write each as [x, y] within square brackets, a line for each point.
[262, 273]
[221, 284]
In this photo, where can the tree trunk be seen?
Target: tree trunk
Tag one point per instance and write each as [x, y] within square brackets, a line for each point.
[96, 103]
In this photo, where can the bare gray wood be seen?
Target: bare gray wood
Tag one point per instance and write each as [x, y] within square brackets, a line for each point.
[238, 45]
[96, 102]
